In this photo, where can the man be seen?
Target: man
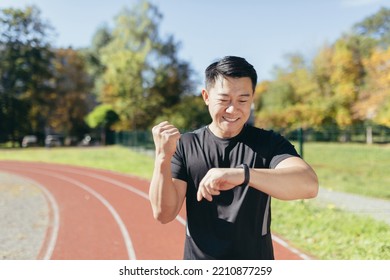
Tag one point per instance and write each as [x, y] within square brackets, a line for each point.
[226, 171]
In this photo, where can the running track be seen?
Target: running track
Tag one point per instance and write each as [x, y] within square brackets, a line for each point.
[98, 214]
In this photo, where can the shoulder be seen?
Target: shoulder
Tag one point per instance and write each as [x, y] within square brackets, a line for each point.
[260, 134]
[258, 130]
[268, 141]
[188, 137]
[191, 143]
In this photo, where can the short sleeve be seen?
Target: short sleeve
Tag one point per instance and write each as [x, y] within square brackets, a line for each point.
[179, 170]
[282, 149]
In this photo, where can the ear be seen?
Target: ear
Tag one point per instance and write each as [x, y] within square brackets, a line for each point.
[205, 96]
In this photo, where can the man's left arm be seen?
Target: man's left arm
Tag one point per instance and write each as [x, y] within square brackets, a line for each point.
[291, 179]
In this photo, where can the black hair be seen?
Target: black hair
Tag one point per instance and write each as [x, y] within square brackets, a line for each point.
[230, 66]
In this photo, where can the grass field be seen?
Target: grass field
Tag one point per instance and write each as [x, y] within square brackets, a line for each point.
[113, 158]
[329, 233]
[355, 168]
[324, 232]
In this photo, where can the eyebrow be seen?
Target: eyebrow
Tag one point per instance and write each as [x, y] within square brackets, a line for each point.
[228, 95]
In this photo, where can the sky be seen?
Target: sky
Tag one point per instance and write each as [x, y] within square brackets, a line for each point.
[261, 31]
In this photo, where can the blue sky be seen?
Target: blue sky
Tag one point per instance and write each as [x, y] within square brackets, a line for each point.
[261, 31]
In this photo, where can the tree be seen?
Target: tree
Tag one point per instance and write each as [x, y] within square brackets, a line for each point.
[345, 79]
[274, 97]
[142, 74]
[374, 101]
[70, 100]
[291, 100]
[375, 28]
[92, 55]
[346, 83]
[189, 114]
[102, 117]
[24, 71]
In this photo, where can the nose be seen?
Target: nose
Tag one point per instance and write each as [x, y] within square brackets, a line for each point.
[230, 108]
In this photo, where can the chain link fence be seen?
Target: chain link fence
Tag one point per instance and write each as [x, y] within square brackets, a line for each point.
[355, 134]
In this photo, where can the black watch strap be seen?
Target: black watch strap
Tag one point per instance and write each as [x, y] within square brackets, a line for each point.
[247, 175]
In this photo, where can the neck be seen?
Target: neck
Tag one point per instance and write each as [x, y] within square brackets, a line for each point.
[224, 135]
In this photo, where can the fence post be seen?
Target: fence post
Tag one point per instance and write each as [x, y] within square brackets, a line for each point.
[369, 139]
[300, 140]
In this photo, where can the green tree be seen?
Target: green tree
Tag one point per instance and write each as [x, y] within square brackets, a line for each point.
[102, 117]
[24, 72]
[373, 104]
[142, 73]
[375, 29]
[189, 114]
[92, 55]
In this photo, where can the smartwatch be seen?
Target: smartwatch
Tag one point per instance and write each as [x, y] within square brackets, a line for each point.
[247, 175]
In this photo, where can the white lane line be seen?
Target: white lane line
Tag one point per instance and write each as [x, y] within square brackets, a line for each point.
[54, 223]
[115, 182]
[55, 226]
[286, 245]
[121, 224]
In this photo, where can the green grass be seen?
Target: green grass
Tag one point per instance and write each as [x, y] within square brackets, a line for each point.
[323, 232]
[354, 168]
[114, 158]
[329, 233]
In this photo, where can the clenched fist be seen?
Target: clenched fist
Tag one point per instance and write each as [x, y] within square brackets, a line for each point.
[165, 137]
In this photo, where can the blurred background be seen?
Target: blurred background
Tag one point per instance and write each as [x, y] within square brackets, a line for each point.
[102, 73]
[82, 73]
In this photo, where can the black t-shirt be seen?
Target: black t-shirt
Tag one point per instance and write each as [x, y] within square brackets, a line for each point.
[236, 224]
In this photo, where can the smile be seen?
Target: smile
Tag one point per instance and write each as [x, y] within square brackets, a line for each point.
[229, 119]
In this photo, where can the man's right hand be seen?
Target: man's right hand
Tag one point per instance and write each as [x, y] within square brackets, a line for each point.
[166, 193]
[165, 137]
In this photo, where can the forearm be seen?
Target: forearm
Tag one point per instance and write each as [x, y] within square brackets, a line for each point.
[163, 195]
[297, 182]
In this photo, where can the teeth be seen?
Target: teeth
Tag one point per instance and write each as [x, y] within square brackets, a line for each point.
[230, 120]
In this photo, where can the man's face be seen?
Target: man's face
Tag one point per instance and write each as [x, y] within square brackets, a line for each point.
[229, 101]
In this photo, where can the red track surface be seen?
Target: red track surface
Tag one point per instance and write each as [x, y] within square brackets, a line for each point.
[98, 214]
